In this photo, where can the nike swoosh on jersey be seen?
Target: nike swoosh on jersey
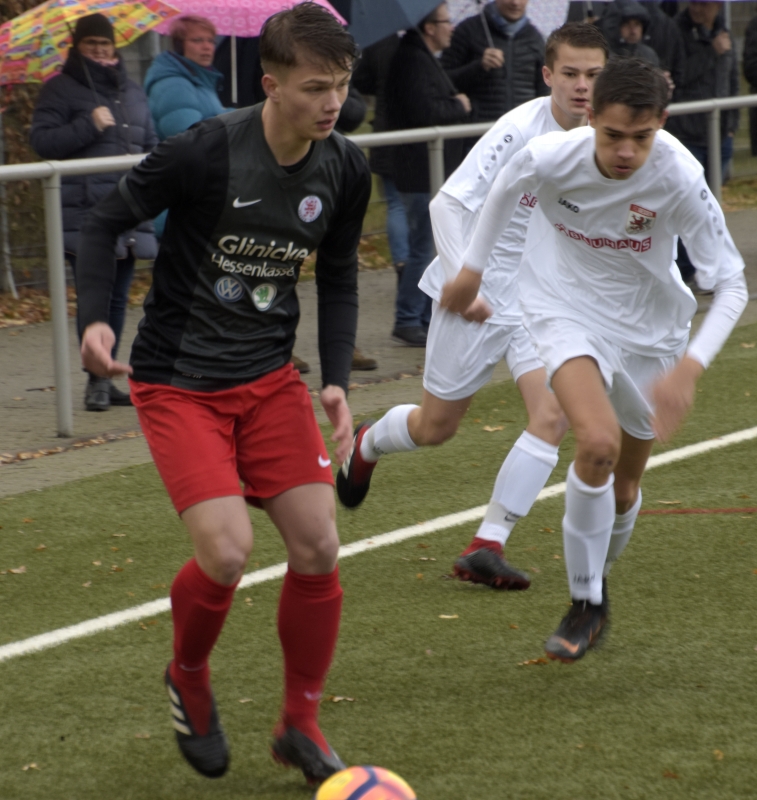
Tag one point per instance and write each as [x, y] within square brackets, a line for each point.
[239, 204]
[323, 462]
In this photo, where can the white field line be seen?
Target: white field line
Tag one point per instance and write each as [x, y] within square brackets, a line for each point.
[44, 641]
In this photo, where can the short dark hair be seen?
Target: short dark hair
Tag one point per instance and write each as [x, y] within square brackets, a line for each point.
[576, 34]
[633, 83]
[306, 31]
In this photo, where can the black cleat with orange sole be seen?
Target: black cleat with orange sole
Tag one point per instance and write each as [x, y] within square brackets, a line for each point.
[486, 566]
[293, 749]
[581, 628]
[354, 478]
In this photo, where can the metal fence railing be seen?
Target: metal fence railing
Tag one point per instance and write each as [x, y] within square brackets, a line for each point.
[50, 173]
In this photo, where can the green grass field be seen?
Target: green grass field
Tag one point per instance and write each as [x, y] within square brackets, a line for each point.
[664, 709]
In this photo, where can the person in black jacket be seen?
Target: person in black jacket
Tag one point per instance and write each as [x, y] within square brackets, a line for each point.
[419, 94]
[750, 73]
[497, 60]
[634, 23]
[92, 110]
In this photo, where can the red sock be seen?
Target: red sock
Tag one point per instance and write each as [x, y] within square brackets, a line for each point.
[480, 544]
[199, 607]
[309, 612]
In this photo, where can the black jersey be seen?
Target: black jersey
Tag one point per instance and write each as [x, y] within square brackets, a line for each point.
[223, 309]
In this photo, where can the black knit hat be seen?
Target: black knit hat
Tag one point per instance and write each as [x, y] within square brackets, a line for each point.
[93, 25]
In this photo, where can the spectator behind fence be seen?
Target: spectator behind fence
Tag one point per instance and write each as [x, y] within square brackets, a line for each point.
[419, 94]
[750, 73]
[632, 33]
[182, 86]
[370, 78]
[711, 71]
[497, 59]
[93, 110]
[662, 35]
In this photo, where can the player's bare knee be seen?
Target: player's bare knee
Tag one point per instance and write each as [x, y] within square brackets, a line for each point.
[436, 431]
[598, 450]
[550, 424]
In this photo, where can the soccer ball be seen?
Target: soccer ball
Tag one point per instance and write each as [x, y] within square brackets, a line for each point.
[365, 783]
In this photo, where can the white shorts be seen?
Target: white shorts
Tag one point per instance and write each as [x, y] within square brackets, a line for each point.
[628, 376]
[461, 355]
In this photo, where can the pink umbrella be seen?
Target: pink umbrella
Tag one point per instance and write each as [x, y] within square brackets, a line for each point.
[237, 17]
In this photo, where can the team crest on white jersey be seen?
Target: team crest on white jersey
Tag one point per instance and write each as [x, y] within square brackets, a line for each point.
[263, 296]
[310, 208]
[640, 220]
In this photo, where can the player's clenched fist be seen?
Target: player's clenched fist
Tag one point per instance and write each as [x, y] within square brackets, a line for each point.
[96, 348]
[673, 396]
[460, 294]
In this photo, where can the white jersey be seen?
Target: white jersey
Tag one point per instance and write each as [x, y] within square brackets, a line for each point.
[470, 185]
[601, 251]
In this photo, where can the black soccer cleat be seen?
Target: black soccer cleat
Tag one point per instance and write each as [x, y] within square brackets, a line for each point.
[293, 749]
[581, 628]
[486, 566]
[354, 478]
[208, 754]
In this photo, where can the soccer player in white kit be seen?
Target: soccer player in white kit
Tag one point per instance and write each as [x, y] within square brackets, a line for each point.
[461, 354]
[605, 305]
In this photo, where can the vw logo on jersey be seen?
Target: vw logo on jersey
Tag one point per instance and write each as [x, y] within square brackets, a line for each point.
[263, 296]
[310, 208]
[229, 290]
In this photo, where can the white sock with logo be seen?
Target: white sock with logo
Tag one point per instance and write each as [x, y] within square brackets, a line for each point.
[587, 525]
[621, 534]
[521, 477]
[388, 435]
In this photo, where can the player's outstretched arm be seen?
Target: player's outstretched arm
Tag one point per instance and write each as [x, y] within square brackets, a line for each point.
[96, 347]
[334, 402]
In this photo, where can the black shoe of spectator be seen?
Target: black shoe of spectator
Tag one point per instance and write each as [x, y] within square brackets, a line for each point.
[117, 397]
[362, 362]
[97, 394]
[413, 336]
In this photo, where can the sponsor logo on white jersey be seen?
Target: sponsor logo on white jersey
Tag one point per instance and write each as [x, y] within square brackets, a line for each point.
[571, 206]
[637, 245]
[529, 200]
[263, 296]
[229, 290]
[310, 208]
[239, 203]
[640, 219]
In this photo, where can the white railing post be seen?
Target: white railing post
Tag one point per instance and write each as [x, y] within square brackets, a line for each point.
[714, 147]
[56, 277]
[436, 164]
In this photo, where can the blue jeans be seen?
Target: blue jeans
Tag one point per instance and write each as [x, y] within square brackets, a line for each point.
[413, 307]
[119, 298]
[396, 223]
[699, 152]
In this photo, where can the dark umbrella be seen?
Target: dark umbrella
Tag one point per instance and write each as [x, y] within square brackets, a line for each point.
[372, 20]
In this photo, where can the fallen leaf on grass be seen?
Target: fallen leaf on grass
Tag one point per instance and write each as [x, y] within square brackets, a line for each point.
[426, 558]
[87, 584]
[670, 502]
[40, 547]
[492, 428]
[115, 549]
[556, 557]
[129, 561]
[248, 600]
[158, 586]
[145, 625]
[748, 345]
[669, 774]
[719, 755]
[513, 626]
[17, 571]
[422, 546]
[141, 735]
[548, 530]
[335, 698]
[97, 563]
[27, 767]
[534, 569]
[419, 575]
[533, 662]
[449, 616]
[116, 568]
[118, 535]
[244, 700]
[27, 520]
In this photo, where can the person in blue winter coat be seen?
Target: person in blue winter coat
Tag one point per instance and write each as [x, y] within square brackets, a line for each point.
[92, 109]
[182, 86]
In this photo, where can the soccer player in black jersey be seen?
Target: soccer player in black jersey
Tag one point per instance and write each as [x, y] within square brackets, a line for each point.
[250, 195]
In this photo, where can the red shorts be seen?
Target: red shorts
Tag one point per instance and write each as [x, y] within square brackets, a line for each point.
[263, 434]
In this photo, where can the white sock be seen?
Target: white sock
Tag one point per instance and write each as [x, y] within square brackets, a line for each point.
[621, 533]
[522, 476]
[587, 525]
[388, 435]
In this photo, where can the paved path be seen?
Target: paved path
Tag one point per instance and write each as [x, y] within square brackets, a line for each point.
[27, 406]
